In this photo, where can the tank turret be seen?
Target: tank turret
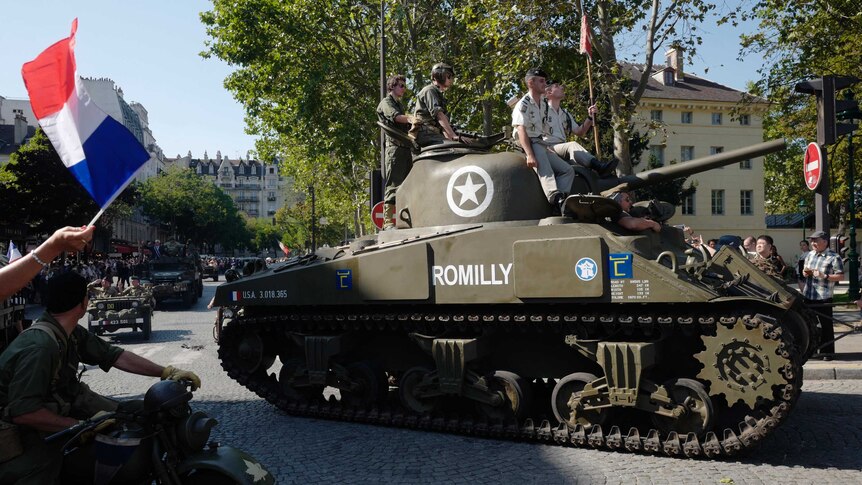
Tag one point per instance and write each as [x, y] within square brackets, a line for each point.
[460, 184]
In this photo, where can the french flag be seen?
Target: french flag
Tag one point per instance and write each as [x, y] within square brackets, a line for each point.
[99, 151]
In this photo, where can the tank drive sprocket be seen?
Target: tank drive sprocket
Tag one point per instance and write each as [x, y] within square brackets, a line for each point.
[742, 362]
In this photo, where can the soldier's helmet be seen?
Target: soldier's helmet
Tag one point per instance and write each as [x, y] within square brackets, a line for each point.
[441, 71]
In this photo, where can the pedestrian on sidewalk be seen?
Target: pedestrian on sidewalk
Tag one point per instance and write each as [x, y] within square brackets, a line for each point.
[822, 269]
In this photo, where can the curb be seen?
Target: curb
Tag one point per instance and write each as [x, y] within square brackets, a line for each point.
[820, 371]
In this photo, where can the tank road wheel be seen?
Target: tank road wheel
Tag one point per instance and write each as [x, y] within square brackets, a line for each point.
[566, 401]
[408, 386]
[698, 411]
[370, 385]
[252, 354]
[517, 396]
[292, 377]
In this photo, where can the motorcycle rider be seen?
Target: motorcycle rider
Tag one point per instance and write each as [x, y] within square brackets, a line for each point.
[39, 388]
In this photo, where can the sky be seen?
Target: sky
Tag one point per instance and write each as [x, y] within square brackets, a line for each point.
[151, 50]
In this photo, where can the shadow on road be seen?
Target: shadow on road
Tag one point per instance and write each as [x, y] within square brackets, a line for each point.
[823, 431]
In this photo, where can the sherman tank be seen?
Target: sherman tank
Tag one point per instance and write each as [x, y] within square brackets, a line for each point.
[484, 313]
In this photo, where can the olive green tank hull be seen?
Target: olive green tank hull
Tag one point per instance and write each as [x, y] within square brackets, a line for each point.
[484, 314]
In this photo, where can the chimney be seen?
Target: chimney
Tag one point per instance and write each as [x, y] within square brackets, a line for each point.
[20, 130]
[674, 57]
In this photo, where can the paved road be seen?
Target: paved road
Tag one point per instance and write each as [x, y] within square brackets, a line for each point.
[820, 443]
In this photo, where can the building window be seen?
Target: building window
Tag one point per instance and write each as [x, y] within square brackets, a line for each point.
[718, 202]
[716, 118]
[716, 150]
[271, 170]
[745, 164]
[685, 117]
[686, 153]
[744, 120]
[745, 198]
[688, 205]
[655, 115]
[657, 152]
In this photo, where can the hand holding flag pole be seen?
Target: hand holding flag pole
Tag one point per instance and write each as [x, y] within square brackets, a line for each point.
[99, 151]
[587, 48]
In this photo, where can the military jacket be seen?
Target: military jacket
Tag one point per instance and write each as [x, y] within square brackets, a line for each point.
[135, 291]
[28, 365]
[100, 292]
[768, 265]
[558, 124]
[429, 102]
[528, 114]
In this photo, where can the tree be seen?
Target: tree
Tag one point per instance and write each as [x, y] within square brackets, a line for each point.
[39, 191]
[800, 41]
[193, 208]
[264, 234]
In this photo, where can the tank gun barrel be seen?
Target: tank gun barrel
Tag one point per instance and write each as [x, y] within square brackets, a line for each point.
[684, 169]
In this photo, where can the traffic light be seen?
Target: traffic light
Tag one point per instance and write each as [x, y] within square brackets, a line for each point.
[847, 109]
[828, 107]
[840, 244]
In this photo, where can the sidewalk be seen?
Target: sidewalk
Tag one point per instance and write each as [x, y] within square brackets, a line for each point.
[847, 362]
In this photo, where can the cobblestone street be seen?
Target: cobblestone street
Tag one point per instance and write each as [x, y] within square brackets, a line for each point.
[820, 443]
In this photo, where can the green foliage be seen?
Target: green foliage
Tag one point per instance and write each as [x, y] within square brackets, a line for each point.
[35, 183]
[800, 41]
[306, 72]
[193, 208]
[264, 235]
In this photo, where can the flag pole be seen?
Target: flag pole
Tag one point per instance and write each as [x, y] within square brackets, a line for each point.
[595, 126]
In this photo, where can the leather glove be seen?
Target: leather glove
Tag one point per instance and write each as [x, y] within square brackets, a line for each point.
[175, 374]
[90, 434]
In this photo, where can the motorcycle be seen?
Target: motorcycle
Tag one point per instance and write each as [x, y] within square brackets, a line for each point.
[162, 441]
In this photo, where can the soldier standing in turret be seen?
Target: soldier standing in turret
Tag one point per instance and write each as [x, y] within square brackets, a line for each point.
[398, 158]
[431, 120]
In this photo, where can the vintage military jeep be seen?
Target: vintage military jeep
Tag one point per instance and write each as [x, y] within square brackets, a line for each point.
[107, 315]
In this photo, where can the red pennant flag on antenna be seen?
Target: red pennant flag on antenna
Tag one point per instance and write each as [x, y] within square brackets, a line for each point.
[586, 42]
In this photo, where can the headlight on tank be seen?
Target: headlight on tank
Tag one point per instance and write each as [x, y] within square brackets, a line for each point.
[227, 313]
[193, 433]
[134, 304]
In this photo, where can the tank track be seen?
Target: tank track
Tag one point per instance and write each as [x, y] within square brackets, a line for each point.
[752, 428]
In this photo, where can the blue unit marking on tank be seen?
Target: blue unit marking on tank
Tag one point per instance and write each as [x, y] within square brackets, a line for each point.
[620, 265]
[586, 269]
[344, 279]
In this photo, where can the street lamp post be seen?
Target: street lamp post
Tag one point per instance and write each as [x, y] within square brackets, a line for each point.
[801, 206]
[313, 221]
[853, 290]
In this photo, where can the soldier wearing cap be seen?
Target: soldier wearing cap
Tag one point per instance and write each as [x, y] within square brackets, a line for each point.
[398, 158]
[560, 124]
[430, 119]
[822, 269]
[555, 175]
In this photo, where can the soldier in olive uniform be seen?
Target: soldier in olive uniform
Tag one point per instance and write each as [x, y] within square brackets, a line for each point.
[136, 290]
[102, 289]
[398, 157]
[431, 120]
[39, 388]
